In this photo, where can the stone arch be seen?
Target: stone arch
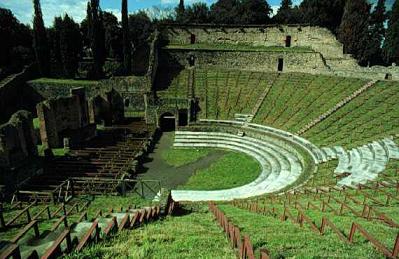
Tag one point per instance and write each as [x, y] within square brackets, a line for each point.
[167, 122]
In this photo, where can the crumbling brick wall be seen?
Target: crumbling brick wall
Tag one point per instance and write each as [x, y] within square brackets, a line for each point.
[107, 108]
[17, 139]
[64, 117]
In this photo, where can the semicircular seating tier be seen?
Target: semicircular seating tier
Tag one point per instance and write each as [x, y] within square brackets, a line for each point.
[281, 166]
[281, 163]
[363, 163]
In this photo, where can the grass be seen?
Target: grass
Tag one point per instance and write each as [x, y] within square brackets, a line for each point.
[100, 202]
[56, 81]
[238, 47]
[232, 170]
[56, 151]
[371, 116]
[180, 157]
[36, 123]
[195, 235]
[288, 240]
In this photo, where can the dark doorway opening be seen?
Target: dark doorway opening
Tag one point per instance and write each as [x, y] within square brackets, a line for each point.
[127, 102]
[192, 39]
[183, 118]
[388, 76]
[167, 122]
[280, 65]
[288, 41]
[191, 60]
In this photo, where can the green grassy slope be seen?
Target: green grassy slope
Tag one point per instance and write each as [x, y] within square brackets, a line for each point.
[195, 235]
[371, 116]
[296, 99]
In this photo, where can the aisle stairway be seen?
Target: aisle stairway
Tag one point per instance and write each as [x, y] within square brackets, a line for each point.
[65, 237]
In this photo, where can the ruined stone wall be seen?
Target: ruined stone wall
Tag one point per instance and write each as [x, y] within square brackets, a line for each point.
[250, 60]
[17, 139]
[107, 108]
[63, 117]
[15, 95]
[328, 57]
[319, 39]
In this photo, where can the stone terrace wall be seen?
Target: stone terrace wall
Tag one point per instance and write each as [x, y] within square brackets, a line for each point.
[64, 117]
[17, 139]
[309, 62]
[320, 39]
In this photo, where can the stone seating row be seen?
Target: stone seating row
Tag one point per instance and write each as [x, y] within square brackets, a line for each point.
[280, 167]
[363, 163]
[315, 152]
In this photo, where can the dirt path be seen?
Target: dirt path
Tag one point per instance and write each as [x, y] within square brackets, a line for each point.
[170, 176]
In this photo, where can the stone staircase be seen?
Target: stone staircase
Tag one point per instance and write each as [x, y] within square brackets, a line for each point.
[263, 96]
[338, 106]
[66, 237]
[8, 79]
[243, 117]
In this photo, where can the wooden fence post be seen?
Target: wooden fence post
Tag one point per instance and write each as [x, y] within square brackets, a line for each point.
[395, 251]
[352, 233]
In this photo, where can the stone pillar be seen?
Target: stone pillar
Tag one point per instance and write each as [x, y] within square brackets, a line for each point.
[83, 109]
[48, 125]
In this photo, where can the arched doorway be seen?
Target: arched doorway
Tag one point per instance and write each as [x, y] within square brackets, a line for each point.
[167, 122]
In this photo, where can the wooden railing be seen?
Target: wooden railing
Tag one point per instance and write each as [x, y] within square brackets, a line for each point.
[244, 245]
[301, 218]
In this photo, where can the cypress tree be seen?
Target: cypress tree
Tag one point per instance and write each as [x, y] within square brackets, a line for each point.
[40, 42]
[285, 13]
[127, 57]
[324, 13]
[354, 29]
[70, 46]
[391, 44]
[377, 33]
[97, 37]
[180, 12]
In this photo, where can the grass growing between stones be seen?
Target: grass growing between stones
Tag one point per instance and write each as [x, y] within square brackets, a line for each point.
[238, 47]
[232, 170]
[54, 81]
[194, 235]
[180, 157]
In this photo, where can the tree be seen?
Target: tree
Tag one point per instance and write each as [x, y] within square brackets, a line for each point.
[70, 46]
[96, 34]
[15, 44]
[197, 13]
[286, 14]
[180, 12]
[225, 12]
[113, 36]
[140, 28]
[391, 44]
[40, 42]
[324, 13]
[354, 29]
[254, 12]
[127, 51]
[54, 39]
[377, 33]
